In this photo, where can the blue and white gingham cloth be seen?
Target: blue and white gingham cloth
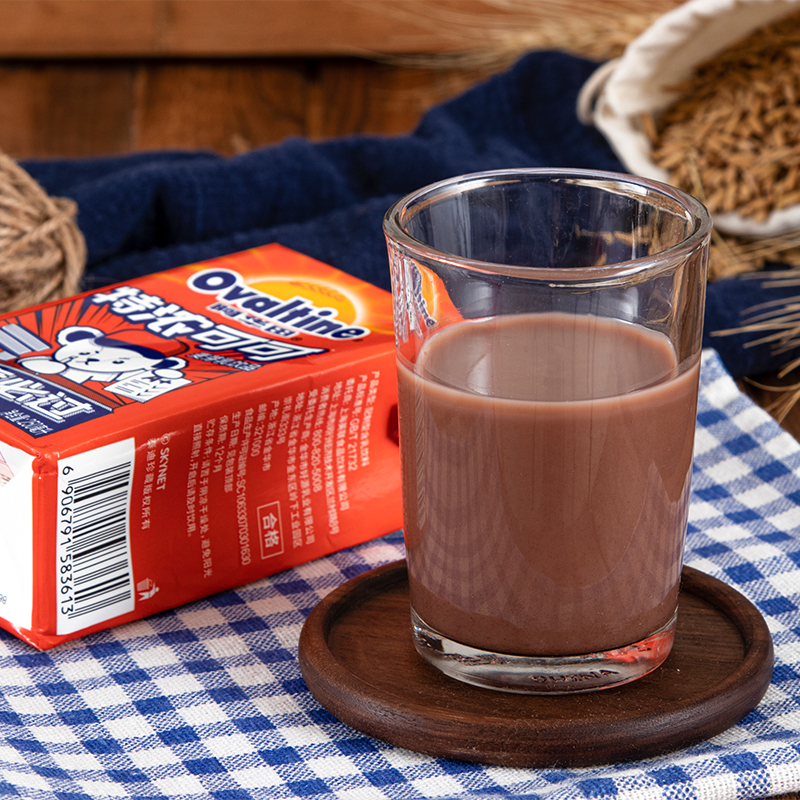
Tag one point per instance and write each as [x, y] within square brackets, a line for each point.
[207, 701]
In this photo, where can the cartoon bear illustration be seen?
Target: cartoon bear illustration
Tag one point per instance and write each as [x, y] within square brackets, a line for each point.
[87, 353]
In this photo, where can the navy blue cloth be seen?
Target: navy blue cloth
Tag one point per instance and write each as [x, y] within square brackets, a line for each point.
[147, 212]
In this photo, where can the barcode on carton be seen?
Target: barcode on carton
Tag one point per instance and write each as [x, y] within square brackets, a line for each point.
[94, 576]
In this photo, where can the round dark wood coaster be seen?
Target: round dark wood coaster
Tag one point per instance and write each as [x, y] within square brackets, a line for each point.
[358, 660]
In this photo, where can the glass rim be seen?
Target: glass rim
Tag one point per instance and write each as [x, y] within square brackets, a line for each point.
[694, 210]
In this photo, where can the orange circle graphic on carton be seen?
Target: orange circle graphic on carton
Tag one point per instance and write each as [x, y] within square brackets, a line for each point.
[320, 294]
[359, 304]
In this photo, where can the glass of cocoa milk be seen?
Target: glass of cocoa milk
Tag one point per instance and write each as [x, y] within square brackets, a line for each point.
[548, 327]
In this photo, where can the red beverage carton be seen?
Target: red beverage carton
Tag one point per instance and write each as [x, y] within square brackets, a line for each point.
[187, 432]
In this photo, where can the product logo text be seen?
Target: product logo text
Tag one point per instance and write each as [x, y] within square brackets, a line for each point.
[287, 317]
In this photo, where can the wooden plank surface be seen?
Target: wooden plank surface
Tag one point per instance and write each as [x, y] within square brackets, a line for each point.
[53, 28]
[119, 28]
[223, 28]
[84, 108]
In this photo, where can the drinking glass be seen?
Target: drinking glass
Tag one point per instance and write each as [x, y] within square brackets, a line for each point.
[548, 328]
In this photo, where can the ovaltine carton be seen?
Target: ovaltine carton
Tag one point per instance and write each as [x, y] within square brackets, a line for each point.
[187, 432]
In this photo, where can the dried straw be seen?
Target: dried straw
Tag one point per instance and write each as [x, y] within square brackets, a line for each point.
[498, 32]
[778, 322]
[42, 251]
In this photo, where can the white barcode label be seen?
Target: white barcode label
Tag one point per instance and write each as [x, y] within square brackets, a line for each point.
[94, 576]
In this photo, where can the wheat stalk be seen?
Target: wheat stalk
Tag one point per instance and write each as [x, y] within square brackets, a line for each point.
[500, 31]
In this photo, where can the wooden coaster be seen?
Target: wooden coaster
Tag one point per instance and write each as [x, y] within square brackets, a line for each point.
[358, 660]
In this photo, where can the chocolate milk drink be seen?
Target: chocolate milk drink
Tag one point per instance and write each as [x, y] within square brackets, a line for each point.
[546, 470]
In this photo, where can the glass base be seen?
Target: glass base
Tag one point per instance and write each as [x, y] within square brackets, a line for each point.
[542, 674]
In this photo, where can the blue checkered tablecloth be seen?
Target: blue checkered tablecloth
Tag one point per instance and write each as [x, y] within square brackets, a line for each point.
[207, 701]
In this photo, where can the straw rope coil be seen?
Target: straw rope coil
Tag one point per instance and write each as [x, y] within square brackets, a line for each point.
[42, 251]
